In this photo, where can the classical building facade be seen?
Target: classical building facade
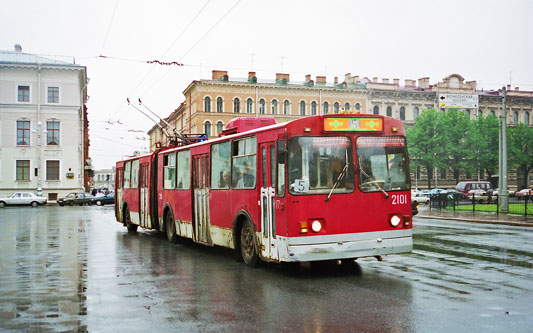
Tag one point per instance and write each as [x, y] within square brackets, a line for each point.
[210, 104]
[43, 125]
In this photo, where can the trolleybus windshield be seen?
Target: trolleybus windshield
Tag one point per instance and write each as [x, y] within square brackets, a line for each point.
[382, 164]
[320, 165]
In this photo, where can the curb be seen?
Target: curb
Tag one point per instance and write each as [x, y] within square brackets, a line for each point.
[511, 223]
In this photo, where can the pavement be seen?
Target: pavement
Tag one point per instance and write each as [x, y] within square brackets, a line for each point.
[477, 217]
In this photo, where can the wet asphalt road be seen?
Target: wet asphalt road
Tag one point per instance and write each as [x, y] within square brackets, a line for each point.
[76, 269]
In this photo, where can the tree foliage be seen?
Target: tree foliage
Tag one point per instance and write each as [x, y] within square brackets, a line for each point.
[520, 151]
[453, 141]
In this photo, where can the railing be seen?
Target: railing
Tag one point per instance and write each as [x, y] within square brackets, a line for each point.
[481, 203]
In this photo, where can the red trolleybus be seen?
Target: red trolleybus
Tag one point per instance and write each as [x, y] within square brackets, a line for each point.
[324, 187]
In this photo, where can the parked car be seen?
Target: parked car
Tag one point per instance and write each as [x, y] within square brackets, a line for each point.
[418, 198]
[465, 187]
[103, 199]
[76, 198]
[481, 196]
[23, 198]
[523, 193]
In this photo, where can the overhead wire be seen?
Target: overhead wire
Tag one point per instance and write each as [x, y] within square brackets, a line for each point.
[109, 27]
[164, 53]
[194, 45]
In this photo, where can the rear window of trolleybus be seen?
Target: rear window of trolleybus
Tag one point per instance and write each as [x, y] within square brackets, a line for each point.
[320, 165]
[382, 164]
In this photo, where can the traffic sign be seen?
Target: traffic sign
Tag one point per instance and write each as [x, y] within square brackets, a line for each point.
[459, 101]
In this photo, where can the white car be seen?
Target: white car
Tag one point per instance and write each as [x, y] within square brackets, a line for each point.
[418, 198]
[23, 198]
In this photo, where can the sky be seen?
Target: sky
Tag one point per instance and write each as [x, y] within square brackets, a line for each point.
[486, 41]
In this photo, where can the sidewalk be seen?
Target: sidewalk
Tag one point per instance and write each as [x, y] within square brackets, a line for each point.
[478, 217]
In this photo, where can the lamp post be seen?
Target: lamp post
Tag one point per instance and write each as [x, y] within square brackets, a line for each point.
[504, 190]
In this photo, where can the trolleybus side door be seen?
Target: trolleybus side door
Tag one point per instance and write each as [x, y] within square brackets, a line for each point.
[201, 232]
[143, 196]
[267, 201]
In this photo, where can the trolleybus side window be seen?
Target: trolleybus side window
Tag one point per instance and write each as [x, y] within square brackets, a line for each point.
[221, 165]
[382, 164]
[134, 174]
[184, 169]
[244, 161]
[169, 171]
[320, 165]
[281, 158]
[127, 174]
[120, 178]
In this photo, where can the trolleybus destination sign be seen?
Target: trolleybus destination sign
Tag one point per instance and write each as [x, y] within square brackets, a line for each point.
[459, 101]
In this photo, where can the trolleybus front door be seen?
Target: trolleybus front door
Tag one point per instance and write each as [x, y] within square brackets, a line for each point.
[201, 232]
[267, 201]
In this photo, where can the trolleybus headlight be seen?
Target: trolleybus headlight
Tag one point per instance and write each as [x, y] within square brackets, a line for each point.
[316, 226]
[395, 220]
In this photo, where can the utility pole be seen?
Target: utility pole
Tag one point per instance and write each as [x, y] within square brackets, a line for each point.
[504, 190]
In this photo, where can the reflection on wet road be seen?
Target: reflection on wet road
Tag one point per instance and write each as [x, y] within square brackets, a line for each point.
[74, 268]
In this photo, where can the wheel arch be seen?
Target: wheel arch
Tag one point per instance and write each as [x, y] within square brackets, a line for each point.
[240, 218]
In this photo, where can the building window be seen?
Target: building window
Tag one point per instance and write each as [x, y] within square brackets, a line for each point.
[23, 133]
[52, 133]
[23, 170]
[207, 128]
[326, 107]
[515, 117]
[415, 113]
[346, 106]
[236, 105]
[302, 108]
[274, 106]
[220, 127]
[313, 108]
[249, 106]
[207, 104]
[526, 118]
[336, 107]
[53, 94]
[262, 105]
[402, 113]
[376, 109]
[493, 113]
[286, 107]
[220, 105]
[23, 94]
[52, 170]
[389, 111]
[467, 112]
[357, 107]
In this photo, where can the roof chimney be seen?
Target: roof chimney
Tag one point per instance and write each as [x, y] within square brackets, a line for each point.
[220, 75]
[18, 48]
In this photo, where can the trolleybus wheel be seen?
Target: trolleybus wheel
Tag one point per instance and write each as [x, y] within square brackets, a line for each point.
[131, 227]
[170, 227]
[248, 248]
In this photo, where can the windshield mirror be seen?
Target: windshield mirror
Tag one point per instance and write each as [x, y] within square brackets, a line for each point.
[382, 164]
[316, 163]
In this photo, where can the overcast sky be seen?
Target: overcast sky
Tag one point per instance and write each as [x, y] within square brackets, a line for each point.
[487, 41]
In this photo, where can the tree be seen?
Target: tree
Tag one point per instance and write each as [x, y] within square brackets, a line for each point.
[520, 150]
[424, 141]
[484, 140]
[457, 129]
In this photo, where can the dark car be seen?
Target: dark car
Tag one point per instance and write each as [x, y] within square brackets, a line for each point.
[101, 200]
[76, 198]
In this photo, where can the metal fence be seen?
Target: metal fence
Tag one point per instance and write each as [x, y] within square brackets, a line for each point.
[481, 203]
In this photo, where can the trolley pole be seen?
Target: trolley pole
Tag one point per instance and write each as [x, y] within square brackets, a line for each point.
[504, 195]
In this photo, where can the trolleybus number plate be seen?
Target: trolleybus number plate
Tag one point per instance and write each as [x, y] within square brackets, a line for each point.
[399, 199]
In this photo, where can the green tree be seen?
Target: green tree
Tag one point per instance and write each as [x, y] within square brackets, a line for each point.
[484, 145]
[424, 141]
[520, 150]
[457, 129]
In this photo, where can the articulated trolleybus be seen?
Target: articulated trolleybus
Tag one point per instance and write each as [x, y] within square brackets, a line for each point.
[329, 187]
